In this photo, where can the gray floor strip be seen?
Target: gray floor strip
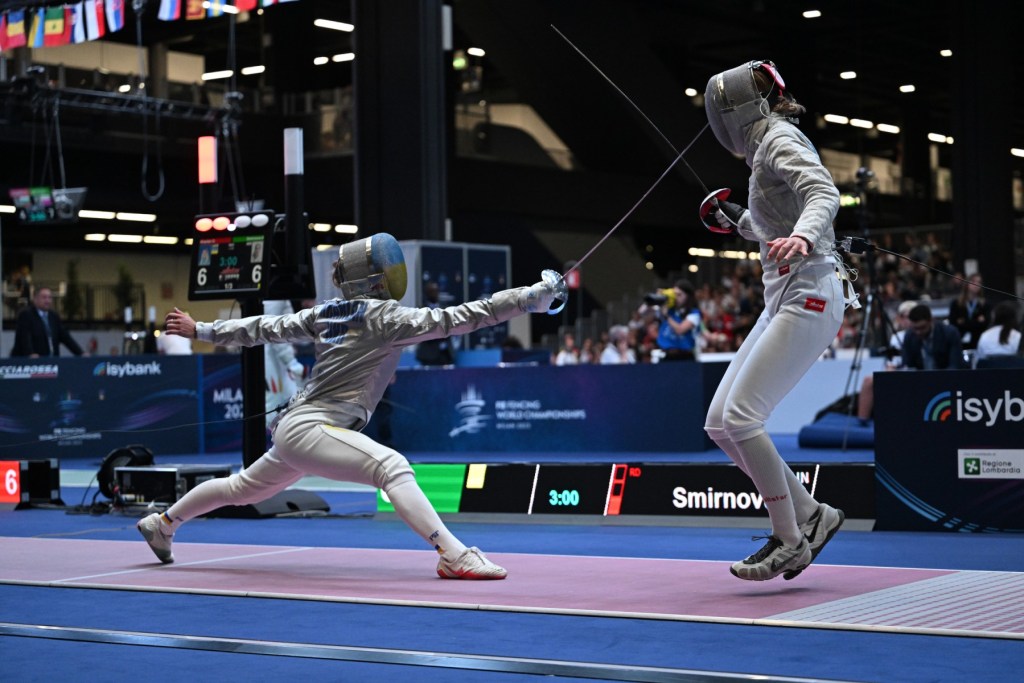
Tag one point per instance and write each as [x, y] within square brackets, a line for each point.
[515, 665]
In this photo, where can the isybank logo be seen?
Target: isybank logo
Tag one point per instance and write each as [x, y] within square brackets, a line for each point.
[945, 407]
[126, 369]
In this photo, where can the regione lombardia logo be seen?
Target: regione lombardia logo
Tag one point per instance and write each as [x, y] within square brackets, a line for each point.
[939, 408]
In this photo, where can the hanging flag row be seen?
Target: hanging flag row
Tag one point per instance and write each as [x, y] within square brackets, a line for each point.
[170, 10]
[75, 22]
[78, 22]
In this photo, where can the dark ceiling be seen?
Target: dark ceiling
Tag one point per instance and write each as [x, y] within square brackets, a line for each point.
[654, 50]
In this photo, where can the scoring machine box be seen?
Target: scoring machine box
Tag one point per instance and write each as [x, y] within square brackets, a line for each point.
[163, 483]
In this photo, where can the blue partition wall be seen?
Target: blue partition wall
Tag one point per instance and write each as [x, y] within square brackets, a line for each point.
[85, 407]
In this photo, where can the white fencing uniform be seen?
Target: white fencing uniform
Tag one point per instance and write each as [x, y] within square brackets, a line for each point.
[358, 343]
[790, 193]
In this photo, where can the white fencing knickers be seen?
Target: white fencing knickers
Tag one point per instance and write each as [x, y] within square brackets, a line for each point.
[303, 444]
[802, 316]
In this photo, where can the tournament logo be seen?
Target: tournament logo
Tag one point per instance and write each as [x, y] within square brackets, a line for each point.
[469, 409]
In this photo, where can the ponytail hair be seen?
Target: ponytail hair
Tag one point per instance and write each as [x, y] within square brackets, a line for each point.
[781, 102]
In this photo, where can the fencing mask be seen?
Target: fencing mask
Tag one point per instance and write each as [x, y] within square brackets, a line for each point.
[732, 102]
[373, 267]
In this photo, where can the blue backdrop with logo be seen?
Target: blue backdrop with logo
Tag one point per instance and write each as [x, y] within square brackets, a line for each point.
[949, 450]
[86, 407]
[600, 408]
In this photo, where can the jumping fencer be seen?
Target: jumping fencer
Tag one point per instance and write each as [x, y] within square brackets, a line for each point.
[792, 203]
[358, 342]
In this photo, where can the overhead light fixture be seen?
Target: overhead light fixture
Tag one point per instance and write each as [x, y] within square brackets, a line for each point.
[129, 239]
[812, 14]
[334, 25]
[320, 61]
[946, 53]
[7, 208]
[936, 137]
[476, 52]
[101, 215]
[95, 237]
[861, 123]
[343, 57]
[253, 70]
[1017, 152]
[692, 268]
[848, 75]
[698, 251]
[837, 118]
[321, 227]
[214, 75]
[124, 87]
[690, 92]
[159, 239]
[138, 217]
[888, 128]
[346, 229]
[907, 88]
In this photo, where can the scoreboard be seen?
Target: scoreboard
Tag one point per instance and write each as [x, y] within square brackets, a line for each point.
[630, 489]
[230, 255]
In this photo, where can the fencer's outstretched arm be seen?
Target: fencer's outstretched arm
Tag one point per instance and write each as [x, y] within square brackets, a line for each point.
[180, 323]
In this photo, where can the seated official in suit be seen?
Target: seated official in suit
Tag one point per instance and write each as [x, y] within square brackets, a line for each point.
[39, 331]
[931, 345]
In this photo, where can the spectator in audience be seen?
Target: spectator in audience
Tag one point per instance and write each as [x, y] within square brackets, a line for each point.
[893, 361]
[970, 312]
[1004, 337]
[618, 351]
[568, 354]
[933, 345]
[587, 356]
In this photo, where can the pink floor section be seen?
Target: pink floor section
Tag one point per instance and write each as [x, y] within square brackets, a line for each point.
[606, 586]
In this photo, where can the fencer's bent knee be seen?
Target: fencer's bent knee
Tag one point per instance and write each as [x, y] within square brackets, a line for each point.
[739, 426]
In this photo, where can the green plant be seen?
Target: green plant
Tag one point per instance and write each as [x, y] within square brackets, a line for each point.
[124, 289]
[74, 301]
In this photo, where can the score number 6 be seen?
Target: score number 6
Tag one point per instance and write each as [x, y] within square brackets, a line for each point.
[10, 482]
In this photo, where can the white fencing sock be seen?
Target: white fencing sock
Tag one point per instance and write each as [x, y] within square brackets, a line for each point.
[804, 504]
[768, 471]
[416, 511]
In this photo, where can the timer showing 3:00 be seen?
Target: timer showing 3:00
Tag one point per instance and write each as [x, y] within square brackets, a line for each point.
[565, 497]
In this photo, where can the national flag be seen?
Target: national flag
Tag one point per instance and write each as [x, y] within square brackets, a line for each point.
[15, 29]
[245, 5]
[3, 32]
[78, 22]
[95, 19]
[115, 15]
[169, 10]
[194, 9]
[267, 3]
[54, 27]
[216, 8]
[37, 31]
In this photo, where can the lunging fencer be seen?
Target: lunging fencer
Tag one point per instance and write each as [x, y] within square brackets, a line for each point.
[792, 203]
[358, 341]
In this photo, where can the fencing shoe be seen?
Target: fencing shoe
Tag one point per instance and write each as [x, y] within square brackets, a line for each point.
[471, 564]
[819, 530]
[155, 536]
[773, 559]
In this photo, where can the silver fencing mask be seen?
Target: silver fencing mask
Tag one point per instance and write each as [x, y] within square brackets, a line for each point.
[373, 267]
[732, 102]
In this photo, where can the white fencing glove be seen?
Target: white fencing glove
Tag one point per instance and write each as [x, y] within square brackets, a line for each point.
[537, 298]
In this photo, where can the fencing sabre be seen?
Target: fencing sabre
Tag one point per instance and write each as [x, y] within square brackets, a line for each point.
[558, 281]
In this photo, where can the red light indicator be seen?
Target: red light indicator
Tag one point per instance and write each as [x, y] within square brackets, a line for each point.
[221, 223]
[204, 224]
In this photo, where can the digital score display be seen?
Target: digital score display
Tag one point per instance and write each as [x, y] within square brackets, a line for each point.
[230, 255]
[651, 489]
